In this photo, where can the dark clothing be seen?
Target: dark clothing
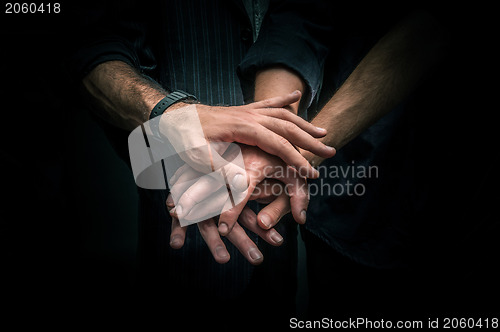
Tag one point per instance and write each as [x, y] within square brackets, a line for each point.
[414, 242]
[360, 230]
[363, 202]
[341, 287]
[197, 47]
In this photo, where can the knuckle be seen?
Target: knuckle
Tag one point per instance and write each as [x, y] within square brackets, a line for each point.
[283, 141]
[267, 102]
[289, 127]
[246, 118]
[283, 113]
[187, 199]
[203, 227]
[275, 212]
[248, 216]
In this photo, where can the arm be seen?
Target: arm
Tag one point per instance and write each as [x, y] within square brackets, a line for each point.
[123, 96]
[291, 49]
[278, 81]
[274, 81]
[390, 71]
[289, 56]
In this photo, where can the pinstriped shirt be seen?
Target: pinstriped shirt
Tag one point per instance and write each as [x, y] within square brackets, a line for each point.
[204, 48]
[204, 44]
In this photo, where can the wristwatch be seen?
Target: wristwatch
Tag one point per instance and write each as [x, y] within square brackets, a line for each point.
[169, 100]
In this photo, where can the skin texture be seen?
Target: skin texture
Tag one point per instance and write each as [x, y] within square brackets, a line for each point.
[392, 69]
[271, 82]
[260, 167]
[124, 98]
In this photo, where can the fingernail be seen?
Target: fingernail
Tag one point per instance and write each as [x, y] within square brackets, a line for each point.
[303, 216]
[330, 149]
[223, 229]
[175, 241]
[276, 237]
[254, 254]
[321, 129]
[172, 210]
[296, 92]
[221, 252]
[315, 173]
[266, 220]
[170, 201]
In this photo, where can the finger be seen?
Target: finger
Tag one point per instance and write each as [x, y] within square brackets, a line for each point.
[195, 193]
[212, 206]
[177, 234]
[248, 218]
[200, 201]
[184, 179]
[262, 192]
[276, 145]
[233, 175]
[181, 170]
[229, 171]
[170, 202]
[296, 188]
[245, 245]
[209, 232]
[278, 102]
[271, 214]
[185, 173]
[286, 115]
[232, 166]
[297, 136]
[228, 219]
[171, 206]
[198, 158]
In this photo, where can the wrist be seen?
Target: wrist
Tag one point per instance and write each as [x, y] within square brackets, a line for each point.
[152, 100]
[276, 81]
[181, 104]
[168, 102]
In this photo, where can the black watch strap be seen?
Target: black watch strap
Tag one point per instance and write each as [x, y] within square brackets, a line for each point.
[172, 98]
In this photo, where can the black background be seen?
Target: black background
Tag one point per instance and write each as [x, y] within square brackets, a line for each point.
[68, 226]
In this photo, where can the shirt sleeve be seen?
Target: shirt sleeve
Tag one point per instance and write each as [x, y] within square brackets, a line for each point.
[294, 34]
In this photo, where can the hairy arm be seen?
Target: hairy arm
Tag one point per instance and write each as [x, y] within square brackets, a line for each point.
[390, 71]
[122, 96]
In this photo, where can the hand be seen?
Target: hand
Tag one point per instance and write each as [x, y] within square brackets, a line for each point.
[238, 236]
[264, 124]
[272, 193]
[203, 195]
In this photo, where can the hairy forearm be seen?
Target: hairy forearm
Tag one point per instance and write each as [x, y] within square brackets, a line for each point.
[388, 73]
[278, 81]
[121, 95]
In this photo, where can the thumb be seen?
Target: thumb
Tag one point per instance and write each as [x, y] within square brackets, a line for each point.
[232, 167]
